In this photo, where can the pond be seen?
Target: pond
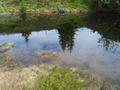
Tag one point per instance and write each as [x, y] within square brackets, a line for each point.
[90, 42]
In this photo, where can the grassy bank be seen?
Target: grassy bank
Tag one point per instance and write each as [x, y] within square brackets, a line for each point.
[58, 6]
[47, 6]
[46, 77]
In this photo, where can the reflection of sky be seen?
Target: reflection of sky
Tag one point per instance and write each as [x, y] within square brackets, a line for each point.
[87, 51]
[45, 40]
[86, 43]
[88, 48]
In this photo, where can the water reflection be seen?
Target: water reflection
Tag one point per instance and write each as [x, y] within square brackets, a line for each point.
[26, 36]
[66, 39]
[108, 44]
[108, 27]
[66, 31]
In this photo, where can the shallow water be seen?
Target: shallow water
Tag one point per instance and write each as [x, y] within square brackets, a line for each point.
[94, 47]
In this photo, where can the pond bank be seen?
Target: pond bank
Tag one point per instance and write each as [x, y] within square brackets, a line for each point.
[46, 12]
[41, 6]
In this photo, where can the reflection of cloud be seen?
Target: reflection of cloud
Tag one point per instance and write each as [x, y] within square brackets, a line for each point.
[53, 46]
[46, 40]
[13, 38]
[86, 37]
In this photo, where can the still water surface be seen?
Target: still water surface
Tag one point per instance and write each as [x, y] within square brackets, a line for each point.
[83, 47]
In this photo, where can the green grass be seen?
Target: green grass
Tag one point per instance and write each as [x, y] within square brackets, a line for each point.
[38, 6]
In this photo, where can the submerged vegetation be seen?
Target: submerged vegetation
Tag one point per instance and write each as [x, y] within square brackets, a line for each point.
[72, 79]
[5, 47]
[46, 77]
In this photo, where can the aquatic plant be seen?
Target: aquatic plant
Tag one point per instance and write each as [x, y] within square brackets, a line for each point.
[72, 79]
[5, 47]
[46, 77]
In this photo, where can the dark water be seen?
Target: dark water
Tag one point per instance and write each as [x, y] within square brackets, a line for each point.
[91, 42]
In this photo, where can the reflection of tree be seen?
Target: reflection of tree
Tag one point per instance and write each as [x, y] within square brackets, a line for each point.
[108, 27]
[66, 30]
[109, 38]
[23, 17]
[66, 38]
[26, 36]
[109, 44]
